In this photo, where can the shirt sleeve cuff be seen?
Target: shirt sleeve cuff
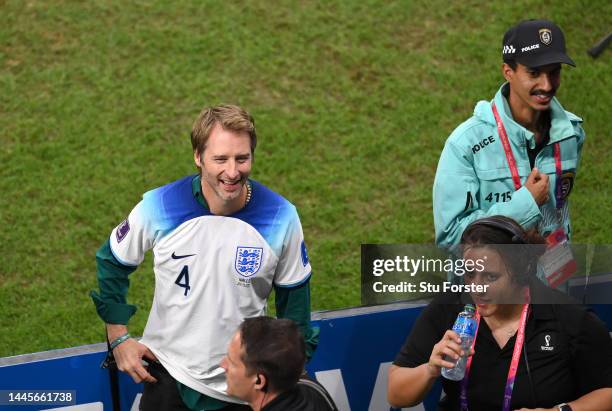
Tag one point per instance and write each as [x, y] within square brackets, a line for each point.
[529, 211]
[112, 312]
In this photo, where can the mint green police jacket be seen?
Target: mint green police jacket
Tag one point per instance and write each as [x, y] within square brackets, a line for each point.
[473, 179]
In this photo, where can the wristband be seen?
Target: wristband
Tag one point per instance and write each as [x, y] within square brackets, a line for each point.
[119, 340]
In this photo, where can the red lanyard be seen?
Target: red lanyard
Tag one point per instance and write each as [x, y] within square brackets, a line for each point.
[516, 355]
[559, 173]
[501, 130]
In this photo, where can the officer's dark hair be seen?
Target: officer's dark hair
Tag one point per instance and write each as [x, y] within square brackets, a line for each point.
[512, 63]
[518, 248]
[275, 348]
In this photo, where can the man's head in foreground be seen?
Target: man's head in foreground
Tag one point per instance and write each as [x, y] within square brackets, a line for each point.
[264, 358]
[533, 52]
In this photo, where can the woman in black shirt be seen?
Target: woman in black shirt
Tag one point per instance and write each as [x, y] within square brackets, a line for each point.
[564, 363]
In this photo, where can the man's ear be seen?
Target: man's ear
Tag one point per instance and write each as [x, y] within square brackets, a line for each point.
[261, 382]
[507, 71]
[197, 158]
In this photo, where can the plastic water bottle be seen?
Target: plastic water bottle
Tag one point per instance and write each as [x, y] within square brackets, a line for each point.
[465, 326]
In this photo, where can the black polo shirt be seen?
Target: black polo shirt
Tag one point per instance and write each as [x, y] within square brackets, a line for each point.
[569, 352]
[306, 396]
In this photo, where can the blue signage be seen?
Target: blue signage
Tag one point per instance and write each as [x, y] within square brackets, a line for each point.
[356, 348]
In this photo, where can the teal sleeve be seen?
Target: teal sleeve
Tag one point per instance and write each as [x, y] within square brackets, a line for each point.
[113, 281]
[294, 303]
[581, 136]
[455, 198]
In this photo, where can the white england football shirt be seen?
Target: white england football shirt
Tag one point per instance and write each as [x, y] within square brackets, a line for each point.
[211, 272]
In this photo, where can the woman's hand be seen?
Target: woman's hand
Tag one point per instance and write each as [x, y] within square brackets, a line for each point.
[449, 345]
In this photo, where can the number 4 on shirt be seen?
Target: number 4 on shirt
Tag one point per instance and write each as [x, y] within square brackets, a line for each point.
[183, 280]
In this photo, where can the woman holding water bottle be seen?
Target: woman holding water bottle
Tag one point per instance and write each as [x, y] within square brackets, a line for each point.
[534, 348]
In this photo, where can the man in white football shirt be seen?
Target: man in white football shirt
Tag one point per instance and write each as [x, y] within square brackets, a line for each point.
[220, 242]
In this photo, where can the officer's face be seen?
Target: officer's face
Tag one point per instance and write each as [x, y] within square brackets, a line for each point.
[225, 166]
[533, 87]
[501, 289]
[239, 383]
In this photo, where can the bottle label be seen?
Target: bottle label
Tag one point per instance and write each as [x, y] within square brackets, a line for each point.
[465, 325]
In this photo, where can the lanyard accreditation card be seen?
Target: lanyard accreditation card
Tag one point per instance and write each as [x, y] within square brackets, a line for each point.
[516, 356]
[558, 263]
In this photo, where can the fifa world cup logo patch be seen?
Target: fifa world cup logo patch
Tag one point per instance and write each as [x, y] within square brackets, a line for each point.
[547, 342]
[248, 260]
[122, 230]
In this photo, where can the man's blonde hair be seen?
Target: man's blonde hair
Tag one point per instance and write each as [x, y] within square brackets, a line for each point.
[232, 118]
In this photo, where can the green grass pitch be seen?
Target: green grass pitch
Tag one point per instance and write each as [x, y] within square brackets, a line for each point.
[353, 101]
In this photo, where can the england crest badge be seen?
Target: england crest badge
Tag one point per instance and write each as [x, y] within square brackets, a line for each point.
[248, 260]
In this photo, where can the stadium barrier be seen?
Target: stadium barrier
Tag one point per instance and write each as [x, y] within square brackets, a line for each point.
[356, 348]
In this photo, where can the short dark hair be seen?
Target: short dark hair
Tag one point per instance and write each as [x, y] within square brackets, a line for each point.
[275, 348]
[512, 63]
[519, 249]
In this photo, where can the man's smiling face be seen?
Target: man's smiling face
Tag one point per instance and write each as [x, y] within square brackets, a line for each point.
[225, 165]
[533, 87]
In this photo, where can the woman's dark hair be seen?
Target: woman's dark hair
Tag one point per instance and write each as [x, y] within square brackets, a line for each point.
[518, 248]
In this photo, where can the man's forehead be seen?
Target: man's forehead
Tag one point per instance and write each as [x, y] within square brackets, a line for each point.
[546, 68]
[235, 348]
[228, 141]
[235, 341]
[219, 130]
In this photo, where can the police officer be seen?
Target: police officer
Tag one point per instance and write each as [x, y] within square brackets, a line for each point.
[518, 154]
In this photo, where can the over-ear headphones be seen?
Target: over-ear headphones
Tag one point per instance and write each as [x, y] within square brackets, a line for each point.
[527, 261]
[495, 222]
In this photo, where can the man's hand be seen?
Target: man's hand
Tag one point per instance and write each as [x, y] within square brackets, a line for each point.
[129, 354]
[538, 185]
[449, 345]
